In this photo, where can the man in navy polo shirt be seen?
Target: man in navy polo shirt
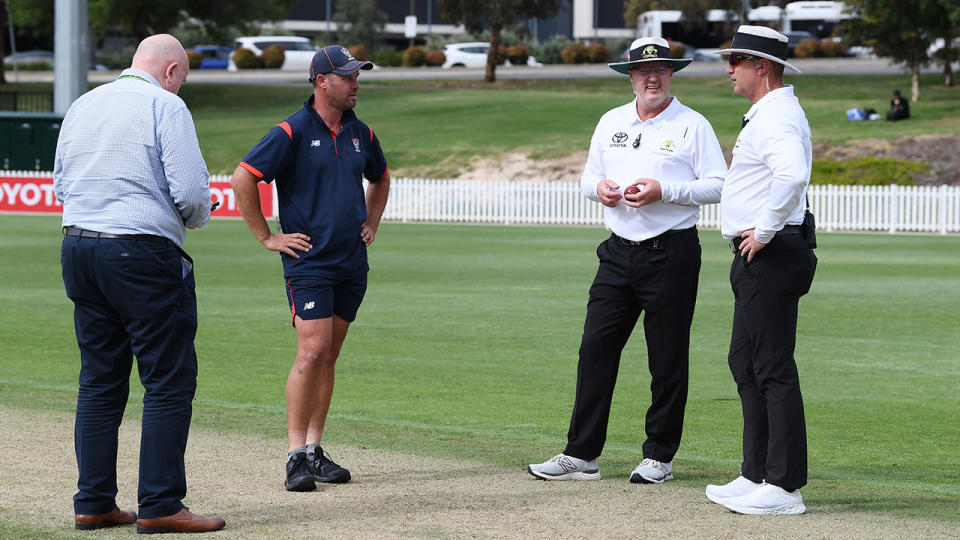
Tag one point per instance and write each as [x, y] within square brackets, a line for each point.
[318, 157]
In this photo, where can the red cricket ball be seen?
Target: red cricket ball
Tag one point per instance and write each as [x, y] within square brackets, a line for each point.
[632, 188]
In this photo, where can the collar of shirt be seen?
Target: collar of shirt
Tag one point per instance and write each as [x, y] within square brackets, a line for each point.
[786, 91]
[664, 116]
[134, 72]
[345, 119]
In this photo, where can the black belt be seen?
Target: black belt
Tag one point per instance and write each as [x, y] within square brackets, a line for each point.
[786, 230]
[653, 243]
[83, 233]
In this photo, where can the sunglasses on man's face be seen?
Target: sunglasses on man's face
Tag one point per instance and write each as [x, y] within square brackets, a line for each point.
[735, 59]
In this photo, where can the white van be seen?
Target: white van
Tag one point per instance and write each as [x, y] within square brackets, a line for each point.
[298, 51]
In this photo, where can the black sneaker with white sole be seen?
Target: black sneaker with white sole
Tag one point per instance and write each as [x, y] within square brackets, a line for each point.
[323, 468]
[298, 473]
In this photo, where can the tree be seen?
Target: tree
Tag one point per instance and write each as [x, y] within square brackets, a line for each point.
[475, 14]
[945, 22]
[142, 19]
[633, 8]
[359, 22]
[32, 18]
[902, 31]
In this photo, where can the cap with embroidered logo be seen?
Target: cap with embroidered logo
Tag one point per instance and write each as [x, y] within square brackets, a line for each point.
[336, 59]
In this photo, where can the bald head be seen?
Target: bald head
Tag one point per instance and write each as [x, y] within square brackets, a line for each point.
[163, 56]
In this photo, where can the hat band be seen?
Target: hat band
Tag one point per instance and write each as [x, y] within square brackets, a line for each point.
[650, 52]
[749, 42]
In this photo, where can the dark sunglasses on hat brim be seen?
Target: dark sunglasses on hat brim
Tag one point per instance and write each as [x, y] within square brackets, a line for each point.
[735, 59]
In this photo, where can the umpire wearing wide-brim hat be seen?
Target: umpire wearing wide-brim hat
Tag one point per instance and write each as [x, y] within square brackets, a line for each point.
[650, 49]
[761, 42]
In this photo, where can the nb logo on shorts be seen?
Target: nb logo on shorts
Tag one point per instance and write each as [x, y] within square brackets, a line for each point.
[308, 305]
[315, 142]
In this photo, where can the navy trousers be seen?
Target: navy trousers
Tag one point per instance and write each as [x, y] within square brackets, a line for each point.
[659, 280]
[767, 293]
[132, 297]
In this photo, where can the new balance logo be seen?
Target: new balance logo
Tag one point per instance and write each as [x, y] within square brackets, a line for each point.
[315, 142]
[308, 305]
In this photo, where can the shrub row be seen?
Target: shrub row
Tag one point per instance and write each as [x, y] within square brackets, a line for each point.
[41, 65]
[578, 53]
[811, 48]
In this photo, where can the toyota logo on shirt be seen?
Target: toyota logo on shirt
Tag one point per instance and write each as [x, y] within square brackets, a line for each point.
[619, 140]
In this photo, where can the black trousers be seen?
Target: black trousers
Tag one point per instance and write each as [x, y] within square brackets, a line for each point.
[132, 297]
[767, 293]
[660, 280]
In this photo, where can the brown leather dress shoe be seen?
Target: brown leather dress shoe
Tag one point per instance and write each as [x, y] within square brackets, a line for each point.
[183, 521]
[86, 522]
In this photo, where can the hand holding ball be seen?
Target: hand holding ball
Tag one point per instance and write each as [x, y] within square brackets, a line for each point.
[632, 189]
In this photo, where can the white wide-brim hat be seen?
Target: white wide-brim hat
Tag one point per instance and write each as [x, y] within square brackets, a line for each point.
[650, 49]
[762, 42]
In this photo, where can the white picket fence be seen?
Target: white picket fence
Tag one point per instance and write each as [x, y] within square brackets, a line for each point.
[837, 208]
[928, 209]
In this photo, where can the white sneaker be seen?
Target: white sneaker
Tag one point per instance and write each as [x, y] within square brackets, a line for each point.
[651, 471]
[564, 467]
[737, 488]
[767, 499]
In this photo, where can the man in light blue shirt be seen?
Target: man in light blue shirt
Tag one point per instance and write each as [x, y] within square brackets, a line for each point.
[130, 176]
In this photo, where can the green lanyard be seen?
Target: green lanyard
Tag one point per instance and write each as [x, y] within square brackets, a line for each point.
[133, 77]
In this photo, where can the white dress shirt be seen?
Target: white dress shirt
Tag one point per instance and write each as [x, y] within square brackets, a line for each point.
[677, 147]
[128, 162]
[770, 170]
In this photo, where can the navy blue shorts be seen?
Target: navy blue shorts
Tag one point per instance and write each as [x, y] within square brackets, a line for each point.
[313, 298]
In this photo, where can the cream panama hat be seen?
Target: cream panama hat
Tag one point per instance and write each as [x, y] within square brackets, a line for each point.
[762, 42]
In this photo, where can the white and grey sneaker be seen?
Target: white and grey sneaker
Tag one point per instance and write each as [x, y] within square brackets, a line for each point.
[737, 488]
[564, 467]
[767, 499]
[651, 471]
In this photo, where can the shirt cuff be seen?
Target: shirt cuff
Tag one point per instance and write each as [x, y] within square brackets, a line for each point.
[589, 188]
[763, 236]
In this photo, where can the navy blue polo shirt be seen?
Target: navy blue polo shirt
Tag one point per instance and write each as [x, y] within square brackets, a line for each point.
[319, 188]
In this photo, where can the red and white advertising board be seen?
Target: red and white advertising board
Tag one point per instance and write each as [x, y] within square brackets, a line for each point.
[34, 195]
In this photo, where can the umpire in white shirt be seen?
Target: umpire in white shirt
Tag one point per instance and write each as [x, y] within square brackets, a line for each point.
[131, 178]
[650, 264]
[762, 212]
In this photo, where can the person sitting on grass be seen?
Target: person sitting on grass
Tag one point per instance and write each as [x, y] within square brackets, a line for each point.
[899, 108]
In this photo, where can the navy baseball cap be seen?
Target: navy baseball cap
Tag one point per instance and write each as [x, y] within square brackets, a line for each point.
[336, 59]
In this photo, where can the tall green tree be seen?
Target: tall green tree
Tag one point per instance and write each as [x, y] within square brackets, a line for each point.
[142, 19]
[633, 8]
[360, 22]
[476, 14]
[30, 17]
[902, 31]
[945, 22]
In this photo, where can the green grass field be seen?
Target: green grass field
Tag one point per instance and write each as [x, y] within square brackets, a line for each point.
[433, 128]
[466, 346]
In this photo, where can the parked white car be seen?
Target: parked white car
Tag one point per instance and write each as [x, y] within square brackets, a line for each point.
[472, 54]
[298, 51]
